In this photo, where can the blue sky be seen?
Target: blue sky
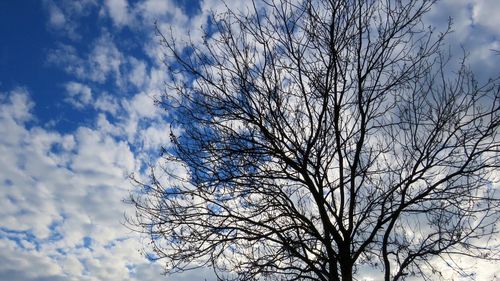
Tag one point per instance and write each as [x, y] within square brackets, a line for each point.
[77, 117]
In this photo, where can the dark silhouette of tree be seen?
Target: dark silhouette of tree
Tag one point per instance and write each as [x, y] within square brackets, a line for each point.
[321, 138]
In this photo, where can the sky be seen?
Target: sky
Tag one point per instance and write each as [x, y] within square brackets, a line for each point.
[77, 82]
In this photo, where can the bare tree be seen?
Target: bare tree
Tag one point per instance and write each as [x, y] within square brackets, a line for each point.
[319, 139]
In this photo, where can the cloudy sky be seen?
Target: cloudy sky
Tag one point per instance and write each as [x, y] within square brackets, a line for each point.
[77, 117]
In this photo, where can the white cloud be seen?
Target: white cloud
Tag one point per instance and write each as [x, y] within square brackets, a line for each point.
[16, 106]
[77, 180]
[57, 18]
[96, 151]
[103, 63]
[485, 13]
[79, 95]
[155, 136]
[107, 103]
[58, 191]
[137, 75]
[58, 21]
[474, 28]
[141, 122]
[19, 265]
[67, 58]
[105, 59]
[157, 7]
[143, 105]
[118, 11]
[64, 15]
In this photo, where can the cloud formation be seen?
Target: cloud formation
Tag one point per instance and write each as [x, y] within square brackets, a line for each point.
[62, 192]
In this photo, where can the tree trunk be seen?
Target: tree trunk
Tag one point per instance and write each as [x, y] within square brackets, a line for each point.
[346, 271]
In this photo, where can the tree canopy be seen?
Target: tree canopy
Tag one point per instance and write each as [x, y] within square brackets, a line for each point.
[319, 139]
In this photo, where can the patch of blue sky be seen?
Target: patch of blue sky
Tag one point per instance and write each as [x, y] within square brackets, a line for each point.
[62, 251]
[190, 7]
[22, 238]
[55, 234]
[8, 182]
[23, 60]
[171, 192]
[131, 268]
[115, 242]
[151, 256]
[87, 242]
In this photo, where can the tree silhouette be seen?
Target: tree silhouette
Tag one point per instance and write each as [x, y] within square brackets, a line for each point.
[317, 139]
